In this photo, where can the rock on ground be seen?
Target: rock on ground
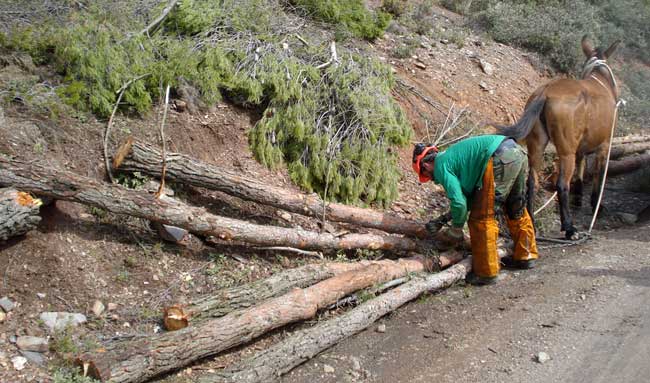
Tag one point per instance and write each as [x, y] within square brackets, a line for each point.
[57, 321]
[32, 343]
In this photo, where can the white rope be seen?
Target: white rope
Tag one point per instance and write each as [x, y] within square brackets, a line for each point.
[602, 183]
[545, 204]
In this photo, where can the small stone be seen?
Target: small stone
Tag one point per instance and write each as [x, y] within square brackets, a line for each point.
[583, 297]
[112, 306]
[356, 364]
[420, 65]
[6, 304]
[3, 316]
[57, 321]
[155, 277]
[19, 362]
[487, 67]
[542, 357]
[32, 343]
[381, 328]
[98, 308]
[483, 85]
[328, 369]
[41, 295]
[35, 357]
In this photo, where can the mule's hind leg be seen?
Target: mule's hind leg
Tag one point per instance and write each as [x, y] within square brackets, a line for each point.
[567, 166]
[598, 174]
[577, 187]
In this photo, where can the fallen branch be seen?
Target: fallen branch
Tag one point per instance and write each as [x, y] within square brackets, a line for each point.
[140, 359]
[281, 358]
[161, 188]
[149, 29]
[139, 157]
[43, 180]
[18, 213]
[630, 139]
[109, 125]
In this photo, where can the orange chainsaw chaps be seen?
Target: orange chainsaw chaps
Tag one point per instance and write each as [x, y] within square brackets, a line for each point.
[523, 234]
[483, 228]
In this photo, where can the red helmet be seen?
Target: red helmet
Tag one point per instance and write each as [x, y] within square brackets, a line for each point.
[419, 153]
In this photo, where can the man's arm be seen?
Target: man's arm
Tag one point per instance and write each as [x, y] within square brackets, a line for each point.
[457, 200]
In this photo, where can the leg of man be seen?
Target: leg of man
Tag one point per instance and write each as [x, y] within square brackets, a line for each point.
[483, 228]
[519, 222]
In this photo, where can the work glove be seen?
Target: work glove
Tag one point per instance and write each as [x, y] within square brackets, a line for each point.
[436, 224]
[450, 237]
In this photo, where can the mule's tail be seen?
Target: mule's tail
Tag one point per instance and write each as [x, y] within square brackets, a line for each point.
[522, 128]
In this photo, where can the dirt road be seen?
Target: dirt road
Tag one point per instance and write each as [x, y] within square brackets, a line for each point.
[587, 308]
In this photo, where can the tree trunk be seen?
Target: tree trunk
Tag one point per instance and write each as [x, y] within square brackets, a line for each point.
[138, 157]
[627, 165]
[630, 139]
[234, 298]
[270, 364]
[623, 150]
[18, 213]
[620, 149]
[141, 359]
[35, 177]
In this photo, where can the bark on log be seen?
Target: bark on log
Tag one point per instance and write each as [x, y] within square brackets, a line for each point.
[18, 213]
[139, 157]
[630, 139]
[270, 364]
[619, 150]
[40, 179]
[228, 300]
[628, 165]
[141, 359]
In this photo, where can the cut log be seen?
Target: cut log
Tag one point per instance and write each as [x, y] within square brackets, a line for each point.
[235, 298]
[40, 179]
[18, 213]
[628, 164]
[630, 139]
[618, 150]
[270, 364]
[622, 150]
[140, 359]
[139, 157]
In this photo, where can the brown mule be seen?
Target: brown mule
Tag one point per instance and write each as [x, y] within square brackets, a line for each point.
[577, 116]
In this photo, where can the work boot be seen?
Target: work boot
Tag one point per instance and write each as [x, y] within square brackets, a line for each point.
[512, 263]
[477, 280]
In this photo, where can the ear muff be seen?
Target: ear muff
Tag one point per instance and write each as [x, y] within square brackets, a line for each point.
[417, 161]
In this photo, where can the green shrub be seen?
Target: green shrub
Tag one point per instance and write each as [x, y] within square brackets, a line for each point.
[395, 7]
[353, 14]
[333, 128]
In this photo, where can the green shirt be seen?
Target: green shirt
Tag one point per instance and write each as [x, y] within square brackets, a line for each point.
[460, 170]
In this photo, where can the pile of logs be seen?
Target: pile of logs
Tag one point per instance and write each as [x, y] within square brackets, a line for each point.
[235, 316]
[629, 153]
[231, 317]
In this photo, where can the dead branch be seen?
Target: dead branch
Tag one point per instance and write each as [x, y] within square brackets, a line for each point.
[153, 26]
[161, 188]
[107, 132]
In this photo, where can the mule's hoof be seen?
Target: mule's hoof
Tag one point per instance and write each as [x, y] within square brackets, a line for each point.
[572, 234]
